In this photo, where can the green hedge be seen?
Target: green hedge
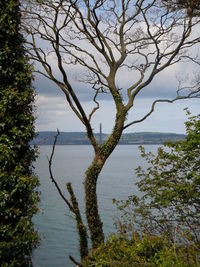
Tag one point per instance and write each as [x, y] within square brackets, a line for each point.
[18, 198]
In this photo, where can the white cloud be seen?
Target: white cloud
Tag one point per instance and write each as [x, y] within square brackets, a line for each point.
[53, 112]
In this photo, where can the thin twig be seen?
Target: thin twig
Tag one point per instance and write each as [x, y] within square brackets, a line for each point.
[75, 262]
[51, 174]
[95, 108]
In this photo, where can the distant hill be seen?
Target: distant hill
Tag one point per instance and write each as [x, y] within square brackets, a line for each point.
[149, 138]
[80, 138]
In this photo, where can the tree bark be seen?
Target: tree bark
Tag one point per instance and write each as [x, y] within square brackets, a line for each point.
[94, 221]
[82, 231]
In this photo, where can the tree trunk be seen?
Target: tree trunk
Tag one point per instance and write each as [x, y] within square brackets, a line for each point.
[94, 222]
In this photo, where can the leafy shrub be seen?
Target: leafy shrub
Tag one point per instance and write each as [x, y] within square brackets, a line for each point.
[145, 250]
[170, 189]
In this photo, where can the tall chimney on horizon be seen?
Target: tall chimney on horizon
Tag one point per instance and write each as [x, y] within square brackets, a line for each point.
[100, 134]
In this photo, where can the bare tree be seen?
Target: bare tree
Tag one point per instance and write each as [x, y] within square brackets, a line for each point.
[107, 38]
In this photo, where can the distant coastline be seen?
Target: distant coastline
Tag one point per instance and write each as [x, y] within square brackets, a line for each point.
[80, 138]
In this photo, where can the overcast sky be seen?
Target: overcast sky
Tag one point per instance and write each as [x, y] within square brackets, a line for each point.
[52, 110]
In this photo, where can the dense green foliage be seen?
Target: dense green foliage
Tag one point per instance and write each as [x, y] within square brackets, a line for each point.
[148, 251]
[18, 199]
[170, 189]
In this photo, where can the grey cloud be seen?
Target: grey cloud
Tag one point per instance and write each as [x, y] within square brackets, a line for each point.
[85, 93]
[164, 85]
[53, 112]
[44, 86]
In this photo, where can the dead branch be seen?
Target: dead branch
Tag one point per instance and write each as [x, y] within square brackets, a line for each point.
[73, 206]
[75, 262]
[52, 177]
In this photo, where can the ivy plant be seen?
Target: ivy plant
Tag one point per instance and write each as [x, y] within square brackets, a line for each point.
[18, 196]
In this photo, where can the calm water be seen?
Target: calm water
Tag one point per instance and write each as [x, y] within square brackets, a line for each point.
[54, 221]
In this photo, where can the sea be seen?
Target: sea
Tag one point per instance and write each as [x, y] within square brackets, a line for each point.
[54, 222]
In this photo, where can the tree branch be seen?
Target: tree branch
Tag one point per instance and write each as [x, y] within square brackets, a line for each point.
[52, 177]
[97, 105]
[195, 94]
[78, 264]
[82, 231]
[73, 206]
